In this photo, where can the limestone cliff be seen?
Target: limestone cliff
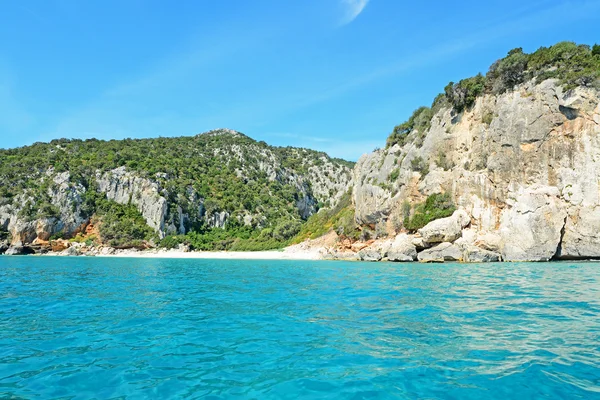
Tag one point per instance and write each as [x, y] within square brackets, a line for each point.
[524, 164]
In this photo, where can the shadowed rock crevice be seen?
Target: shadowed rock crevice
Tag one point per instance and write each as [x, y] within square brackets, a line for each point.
[557, 254]
[568, 112]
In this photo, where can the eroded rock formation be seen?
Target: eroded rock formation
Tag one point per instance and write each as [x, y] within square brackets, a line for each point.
[524, 166]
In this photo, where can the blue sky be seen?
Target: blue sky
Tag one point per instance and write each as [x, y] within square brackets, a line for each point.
[333, 75]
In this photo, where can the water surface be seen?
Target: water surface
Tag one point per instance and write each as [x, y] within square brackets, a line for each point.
[81, 328]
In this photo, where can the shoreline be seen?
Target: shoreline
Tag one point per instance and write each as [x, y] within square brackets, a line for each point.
[217, 255]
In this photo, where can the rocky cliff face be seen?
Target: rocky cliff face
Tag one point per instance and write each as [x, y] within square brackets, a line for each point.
[524, 165]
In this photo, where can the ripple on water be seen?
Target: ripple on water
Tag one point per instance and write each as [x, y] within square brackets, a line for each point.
[105, 328]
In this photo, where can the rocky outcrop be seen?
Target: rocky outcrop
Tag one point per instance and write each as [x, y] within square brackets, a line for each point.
[445, 229]
[124, 187]
[402, 249]
[370, 255]
[524, 164]
[440, 253]
[71, 251]
[531, 228]
[376, 251]
[474, 254]
[19, 251]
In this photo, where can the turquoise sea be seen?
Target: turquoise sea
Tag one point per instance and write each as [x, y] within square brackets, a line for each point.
[82, 328]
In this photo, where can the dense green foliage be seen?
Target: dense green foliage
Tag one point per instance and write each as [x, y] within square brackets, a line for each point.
[340, 219]
[236, 238]
[573, 65]
[420, 165]
[4, 234]
[123, 226]
[435, 206]
[120, 225]
[463, 94]
[224, 170]
[420, 121]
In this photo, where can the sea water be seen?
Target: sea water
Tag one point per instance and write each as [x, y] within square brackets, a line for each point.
[81, 328]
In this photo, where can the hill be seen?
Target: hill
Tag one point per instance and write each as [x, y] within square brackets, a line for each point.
[217, 190]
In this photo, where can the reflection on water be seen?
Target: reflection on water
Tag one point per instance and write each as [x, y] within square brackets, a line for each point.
[107, 328]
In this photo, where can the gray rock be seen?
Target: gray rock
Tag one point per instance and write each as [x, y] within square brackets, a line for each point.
[402, 249]
[419, 243]
[475, 254]
[440, 253]
[445, 229]
[341, 255]
[183, 248]
[531, 228]
[71, 251]
[489, 241]
[18, 251]
[217, 219]
[106, 251]
[124, 187]
[581, 237]
[369, 254]
[3, 246]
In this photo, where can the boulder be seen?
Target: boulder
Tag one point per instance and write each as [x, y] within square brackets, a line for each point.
[18, 251]
[445, 229]
[3, 246]
[475, 254]
[107, 251]
[489, 241]
[376, 251]
[340, 255]
[418, 242]
[59, 245]
[358, 246]
[440, 253]
[71, 251]
[185, 248]
[370, 254]
[402, 249]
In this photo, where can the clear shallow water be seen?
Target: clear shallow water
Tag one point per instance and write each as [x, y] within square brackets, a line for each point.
[121, 328]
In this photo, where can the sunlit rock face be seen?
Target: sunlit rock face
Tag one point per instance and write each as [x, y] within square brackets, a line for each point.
[525, 166]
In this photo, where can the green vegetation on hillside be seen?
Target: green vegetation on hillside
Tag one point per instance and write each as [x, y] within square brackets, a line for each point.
[340, 219]
[435, 206]
[573, 65]
[223, 170]
[120, 225]
[236, 238]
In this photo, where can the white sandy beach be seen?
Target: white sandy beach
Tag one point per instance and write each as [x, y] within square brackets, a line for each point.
[232, 255]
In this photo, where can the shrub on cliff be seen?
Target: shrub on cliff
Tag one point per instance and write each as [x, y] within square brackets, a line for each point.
[435, 206]
[340, 219]
[123, 225]
[463, 94]
[419, 121]
[573, 65]
[420, 165]
[508, 72]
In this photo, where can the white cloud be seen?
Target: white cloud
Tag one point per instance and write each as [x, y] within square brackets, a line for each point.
[352, 8]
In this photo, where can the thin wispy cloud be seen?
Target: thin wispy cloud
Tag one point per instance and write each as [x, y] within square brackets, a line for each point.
[352, 9]
[537, 20]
